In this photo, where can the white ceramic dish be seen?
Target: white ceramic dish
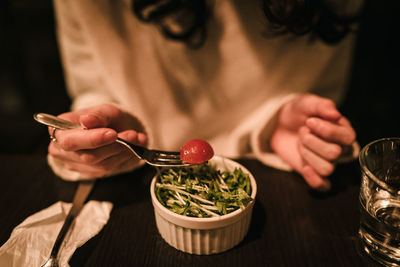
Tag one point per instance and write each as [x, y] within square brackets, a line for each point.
[203, 236]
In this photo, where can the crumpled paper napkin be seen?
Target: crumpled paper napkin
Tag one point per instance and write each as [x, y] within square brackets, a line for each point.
[31, 241]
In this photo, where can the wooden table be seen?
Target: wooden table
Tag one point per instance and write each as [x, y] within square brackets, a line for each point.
[291, 225]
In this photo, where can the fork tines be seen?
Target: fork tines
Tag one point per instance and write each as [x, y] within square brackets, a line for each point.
[167, 155]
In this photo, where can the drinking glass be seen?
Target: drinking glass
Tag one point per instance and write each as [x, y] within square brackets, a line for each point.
[380, 200]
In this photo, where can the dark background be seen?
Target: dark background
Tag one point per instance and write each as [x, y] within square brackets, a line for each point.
[31, 78]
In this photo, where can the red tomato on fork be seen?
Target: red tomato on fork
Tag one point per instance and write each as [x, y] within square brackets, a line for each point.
[196, 151]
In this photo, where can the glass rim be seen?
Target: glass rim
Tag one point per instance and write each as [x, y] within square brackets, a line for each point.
[364, 168]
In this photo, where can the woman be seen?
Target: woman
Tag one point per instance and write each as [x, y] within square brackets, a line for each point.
[251, 79]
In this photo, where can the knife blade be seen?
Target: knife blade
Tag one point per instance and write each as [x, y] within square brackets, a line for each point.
[81, 194]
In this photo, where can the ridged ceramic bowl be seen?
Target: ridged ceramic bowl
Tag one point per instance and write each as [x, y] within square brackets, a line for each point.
[204, 236]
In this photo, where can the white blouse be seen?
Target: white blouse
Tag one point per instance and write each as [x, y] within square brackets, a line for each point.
[226, 92]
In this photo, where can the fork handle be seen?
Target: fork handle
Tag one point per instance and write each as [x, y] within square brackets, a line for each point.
[137, 150]
[55, 122]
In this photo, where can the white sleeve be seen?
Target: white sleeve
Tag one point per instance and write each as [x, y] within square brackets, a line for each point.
[261, 135]
[85, 84]
[58, 168]
[84, 81]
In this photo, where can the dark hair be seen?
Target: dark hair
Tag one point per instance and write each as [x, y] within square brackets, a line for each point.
[185, 20]
[189, 18]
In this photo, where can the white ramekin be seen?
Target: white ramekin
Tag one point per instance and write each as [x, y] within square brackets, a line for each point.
[205, 236]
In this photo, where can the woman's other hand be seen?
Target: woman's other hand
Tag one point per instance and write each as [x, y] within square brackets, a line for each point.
[311, 135]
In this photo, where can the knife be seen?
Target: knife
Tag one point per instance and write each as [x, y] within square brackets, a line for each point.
[81, 194]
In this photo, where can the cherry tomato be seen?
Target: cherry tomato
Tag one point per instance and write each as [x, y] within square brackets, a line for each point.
[196, 151]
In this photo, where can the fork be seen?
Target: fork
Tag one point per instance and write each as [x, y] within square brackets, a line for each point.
[157, 158]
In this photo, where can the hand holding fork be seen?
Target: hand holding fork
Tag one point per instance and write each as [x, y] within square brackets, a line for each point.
[153, 157]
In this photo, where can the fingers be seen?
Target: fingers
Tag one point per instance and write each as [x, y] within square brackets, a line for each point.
[288, 145]
[103, 168]
[77, 139]
[99, 161]
[142, 139]
[94, 117]
[102, 116]
[314, 180]
[321, 133]
[317, 156]
[86, 156]
[313, 105]
[320, 147]
[92, 151]
[134, 137]
[340, 132]
[311, 150]
[90, 154]
[319, 164]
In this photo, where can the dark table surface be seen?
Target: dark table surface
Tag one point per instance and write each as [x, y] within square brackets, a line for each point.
[291, 225]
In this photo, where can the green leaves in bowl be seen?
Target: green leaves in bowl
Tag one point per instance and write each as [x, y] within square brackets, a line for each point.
[202, 190]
